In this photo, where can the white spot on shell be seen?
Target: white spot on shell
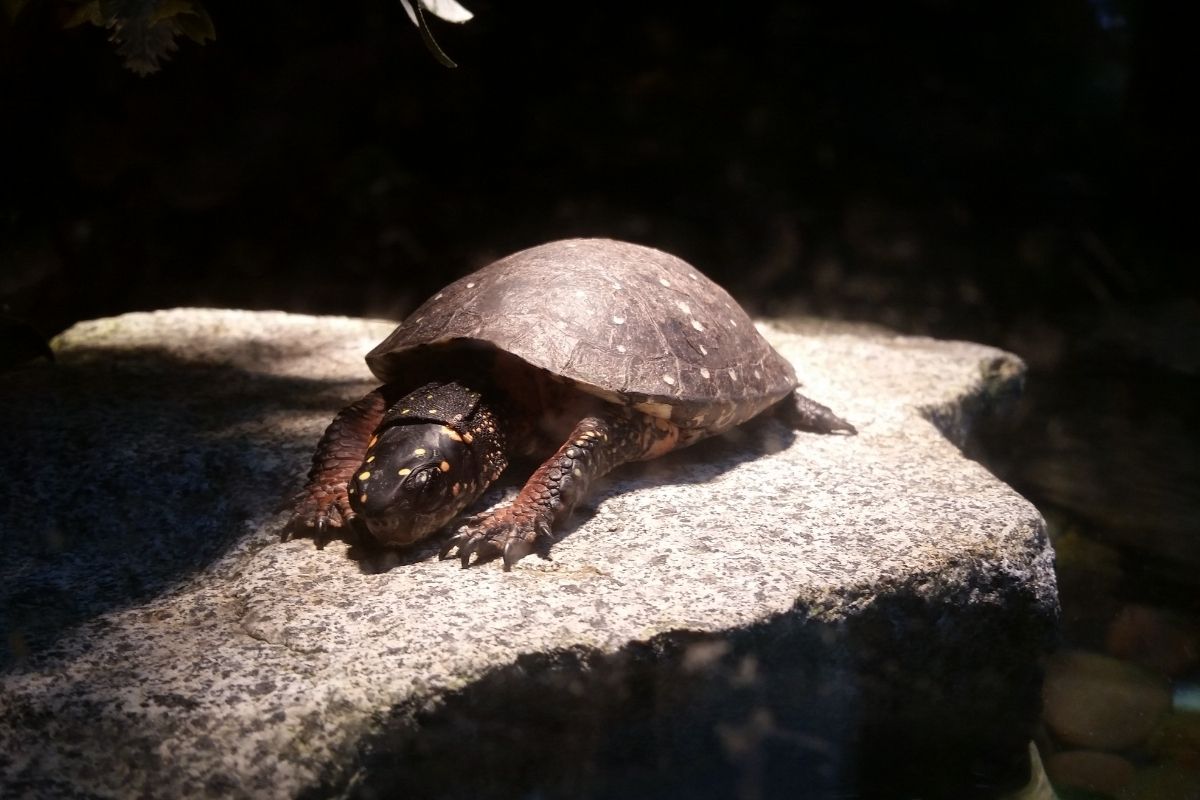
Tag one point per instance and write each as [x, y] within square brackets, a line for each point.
[618, 320]
[733, 375]
[704, 373]
[684, 307]
[620, 348]
[617, 285]
[757, 374]
[668, 380]
[438, 296]
[733, 322]
[471, 285]
[696, 324]
[665, 282]
[703, 350]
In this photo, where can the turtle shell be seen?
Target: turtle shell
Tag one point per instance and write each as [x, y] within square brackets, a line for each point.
[627, 323]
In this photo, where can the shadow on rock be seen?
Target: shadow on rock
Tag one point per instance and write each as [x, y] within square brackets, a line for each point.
[127, 470]
[794, 707]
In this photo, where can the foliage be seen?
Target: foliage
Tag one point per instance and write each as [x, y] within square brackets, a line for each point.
[145, 32]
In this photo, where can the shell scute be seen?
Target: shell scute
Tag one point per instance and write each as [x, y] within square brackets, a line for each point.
[614, 318]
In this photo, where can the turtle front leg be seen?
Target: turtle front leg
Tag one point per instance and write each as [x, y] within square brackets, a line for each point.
[323, 503]
[596, 445]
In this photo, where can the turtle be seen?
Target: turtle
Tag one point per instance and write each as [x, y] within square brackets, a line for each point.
[582, 353]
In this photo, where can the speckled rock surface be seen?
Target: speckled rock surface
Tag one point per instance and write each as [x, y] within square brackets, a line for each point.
[761, 587]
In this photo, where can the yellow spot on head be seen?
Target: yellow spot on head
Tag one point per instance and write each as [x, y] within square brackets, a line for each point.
[406, 411]
[420, 451]
[450, 432]
[444, 466]
[371, 443]
[362, 476]
[468, 438]
[362, 498]
[404, 472]
[370, 459]
[576, 473]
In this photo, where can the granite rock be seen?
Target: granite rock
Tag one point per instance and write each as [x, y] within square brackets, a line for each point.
[766, 609]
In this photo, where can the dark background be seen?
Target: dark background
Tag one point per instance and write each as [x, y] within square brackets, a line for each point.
[1009, 173]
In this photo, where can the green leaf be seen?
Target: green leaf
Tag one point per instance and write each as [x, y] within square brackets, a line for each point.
[197, 26]
[87, 12]
[165, 9]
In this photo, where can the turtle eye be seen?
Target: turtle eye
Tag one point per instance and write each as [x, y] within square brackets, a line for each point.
[428, 487]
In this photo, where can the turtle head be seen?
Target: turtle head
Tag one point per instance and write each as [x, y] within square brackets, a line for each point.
[415, 478]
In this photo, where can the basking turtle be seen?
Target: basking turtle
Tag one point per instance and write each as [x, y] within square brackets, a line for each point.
[593, 351]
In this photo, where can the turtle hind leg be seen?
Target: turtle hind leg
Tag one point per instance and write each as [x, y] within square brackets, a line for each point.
[806, 414]
[323, 503]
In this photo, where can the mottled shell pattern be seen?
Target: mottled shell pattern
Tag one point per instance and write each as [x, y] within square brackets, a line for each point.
[626, 323]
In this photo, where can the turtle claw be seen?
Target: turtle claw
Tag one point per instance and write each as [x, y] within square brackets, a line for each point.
[466, 549]
[323, 513]
[503, 533]
[514, 551]
[456, 540]
[321, 534]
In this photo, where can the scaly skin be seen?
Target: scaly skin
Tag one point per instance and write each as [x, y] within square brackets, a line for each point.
[597, 444]
[323, 503]
[605, 437]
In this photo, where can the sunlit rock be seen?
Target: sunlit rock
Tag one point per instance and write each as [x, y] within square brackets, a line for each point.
[762, 613]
